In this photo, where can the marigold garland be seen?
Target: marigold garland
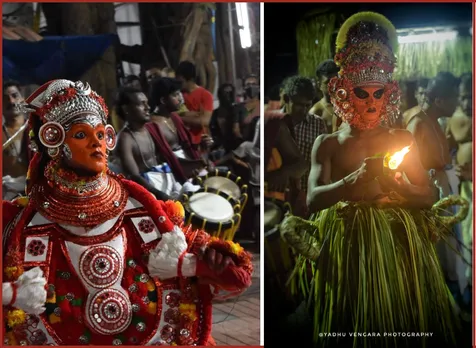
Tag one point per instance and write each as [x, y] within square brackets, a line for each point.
[240, 256]
[15, 317]
[175, 211]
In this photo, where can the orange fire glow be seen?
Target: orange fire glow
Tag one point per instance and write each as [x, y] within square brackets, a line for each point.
[397, 158]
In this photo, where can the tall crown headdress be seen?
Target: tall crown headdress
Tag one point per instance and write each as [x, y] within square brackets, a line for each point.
[365, 53]
[61, 103]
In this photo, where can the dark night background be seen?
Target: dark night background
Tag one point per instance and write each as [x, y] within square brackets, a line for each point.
[280, 55]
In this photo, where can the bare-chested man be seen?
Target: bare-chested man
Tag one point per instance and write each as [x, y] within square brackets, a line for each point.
[323, 108]
[459, 131]
[460, 134]
[421, 86]
[441, 101]
[375, 268]
[15, 156]
[136, 149]
[175, 141]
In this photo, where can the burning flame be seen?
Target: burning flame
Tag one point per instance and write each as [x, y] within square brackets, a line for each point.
[397, 158]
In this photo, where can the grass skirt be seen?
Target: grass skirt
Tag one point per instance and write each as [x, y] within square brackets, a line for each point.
[377, 274]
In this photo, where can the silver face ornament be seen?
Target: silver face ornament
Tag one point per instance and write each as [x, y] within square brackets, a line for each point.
[67, 152]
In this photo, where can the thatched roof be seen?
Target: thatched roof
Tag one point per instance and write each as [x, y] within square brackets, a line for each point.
[12, 31]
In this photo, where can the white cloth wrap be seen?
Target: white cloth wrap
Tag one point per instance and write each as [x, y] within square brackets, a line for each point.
[164, 259]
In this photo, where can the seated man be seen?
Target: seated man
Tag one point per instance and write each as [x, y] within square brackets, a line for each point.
[171, 137]
[15, 140]
[140, 158]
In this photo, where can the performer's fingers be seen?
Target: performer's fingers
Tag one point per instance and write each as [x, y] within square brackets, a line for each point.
[202, 251]
[227, 261]
[218, 260]
[211, 258]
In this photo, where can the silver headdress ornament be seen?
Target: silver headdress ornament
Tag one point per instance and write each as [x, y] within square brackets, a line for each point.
[62, 103]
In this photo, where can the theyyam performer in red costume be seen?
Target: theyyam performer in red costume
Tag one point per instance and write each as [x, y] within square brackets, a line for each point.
[91, 258]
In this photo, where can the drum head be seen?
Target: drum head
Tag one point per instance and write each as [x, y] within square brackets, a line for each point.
[211, 207]
[273, 215]
[224, 185]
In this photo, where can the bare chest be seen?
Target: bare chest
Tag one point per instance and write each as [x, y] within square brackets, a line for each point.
[351, 153]
[461, 129]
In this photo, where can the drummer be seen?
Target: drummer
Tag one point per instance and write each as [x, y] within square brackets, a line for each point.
[170, 135]
[136, 149]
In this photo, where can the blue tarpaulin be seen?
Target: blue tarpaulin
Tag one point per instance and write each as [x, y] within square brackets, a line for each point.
[67, 57]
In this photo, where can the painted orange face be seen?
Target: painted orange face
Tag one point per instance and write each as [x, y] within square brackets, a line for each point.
[88, 149]
[368, 101]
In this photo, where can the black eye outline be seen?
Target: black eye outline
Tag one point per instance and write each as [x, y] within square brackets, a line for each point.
[100, 135]
[378, 94]
[360, 93]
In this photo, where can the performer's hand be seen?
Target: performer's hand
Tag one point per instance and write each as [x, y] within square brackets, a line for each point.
[362, 175]
[31, 292]
[216, 261]
[393, 183]
[207, 141]
[210, 166]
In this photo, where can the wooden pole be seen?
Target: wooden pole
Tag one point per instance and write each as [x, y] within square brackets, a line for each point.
[232, 43]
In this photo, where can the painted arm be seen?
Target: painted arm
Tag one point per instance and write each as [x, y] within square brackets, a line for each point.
[322, 193]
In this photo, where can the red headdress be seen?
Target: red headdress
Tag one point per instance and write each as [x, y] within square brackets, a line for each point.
[365, 49]
[57, 105]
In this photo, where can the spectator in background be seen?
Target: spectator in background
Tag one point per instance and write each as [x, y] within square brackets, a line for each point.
[460, 135]
[135, 147]
[198, 100]
[168, 72]
[15, 156]
[274, 98]
[298, 95]
[171, 137]
[441, 101]
[133, 81]
[420, 90]
[323, 108]
[247, 126]
[225, 119]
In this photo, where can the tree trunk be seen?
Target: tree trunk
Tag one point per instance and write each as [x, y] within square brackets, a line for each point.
[223, 26]
[93, 19]
[193, 24]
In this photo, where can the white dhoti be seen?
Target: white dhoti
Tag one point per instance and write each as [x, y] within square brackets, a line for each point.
[162, 179]
[13, 187]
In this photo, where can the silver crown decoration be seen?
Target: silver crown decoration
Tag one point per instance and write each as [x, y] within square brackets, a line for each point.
[369, 75]
[66, 112]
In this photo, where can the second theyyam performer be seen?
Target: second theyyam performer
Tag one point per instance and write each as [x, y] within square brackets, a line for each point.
[91, 258]
[372, 240]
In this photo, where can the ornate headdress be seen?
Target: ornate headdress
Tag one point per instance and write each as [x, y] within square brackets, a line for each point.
[365, 48]
[56, 106]
[61, 103]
